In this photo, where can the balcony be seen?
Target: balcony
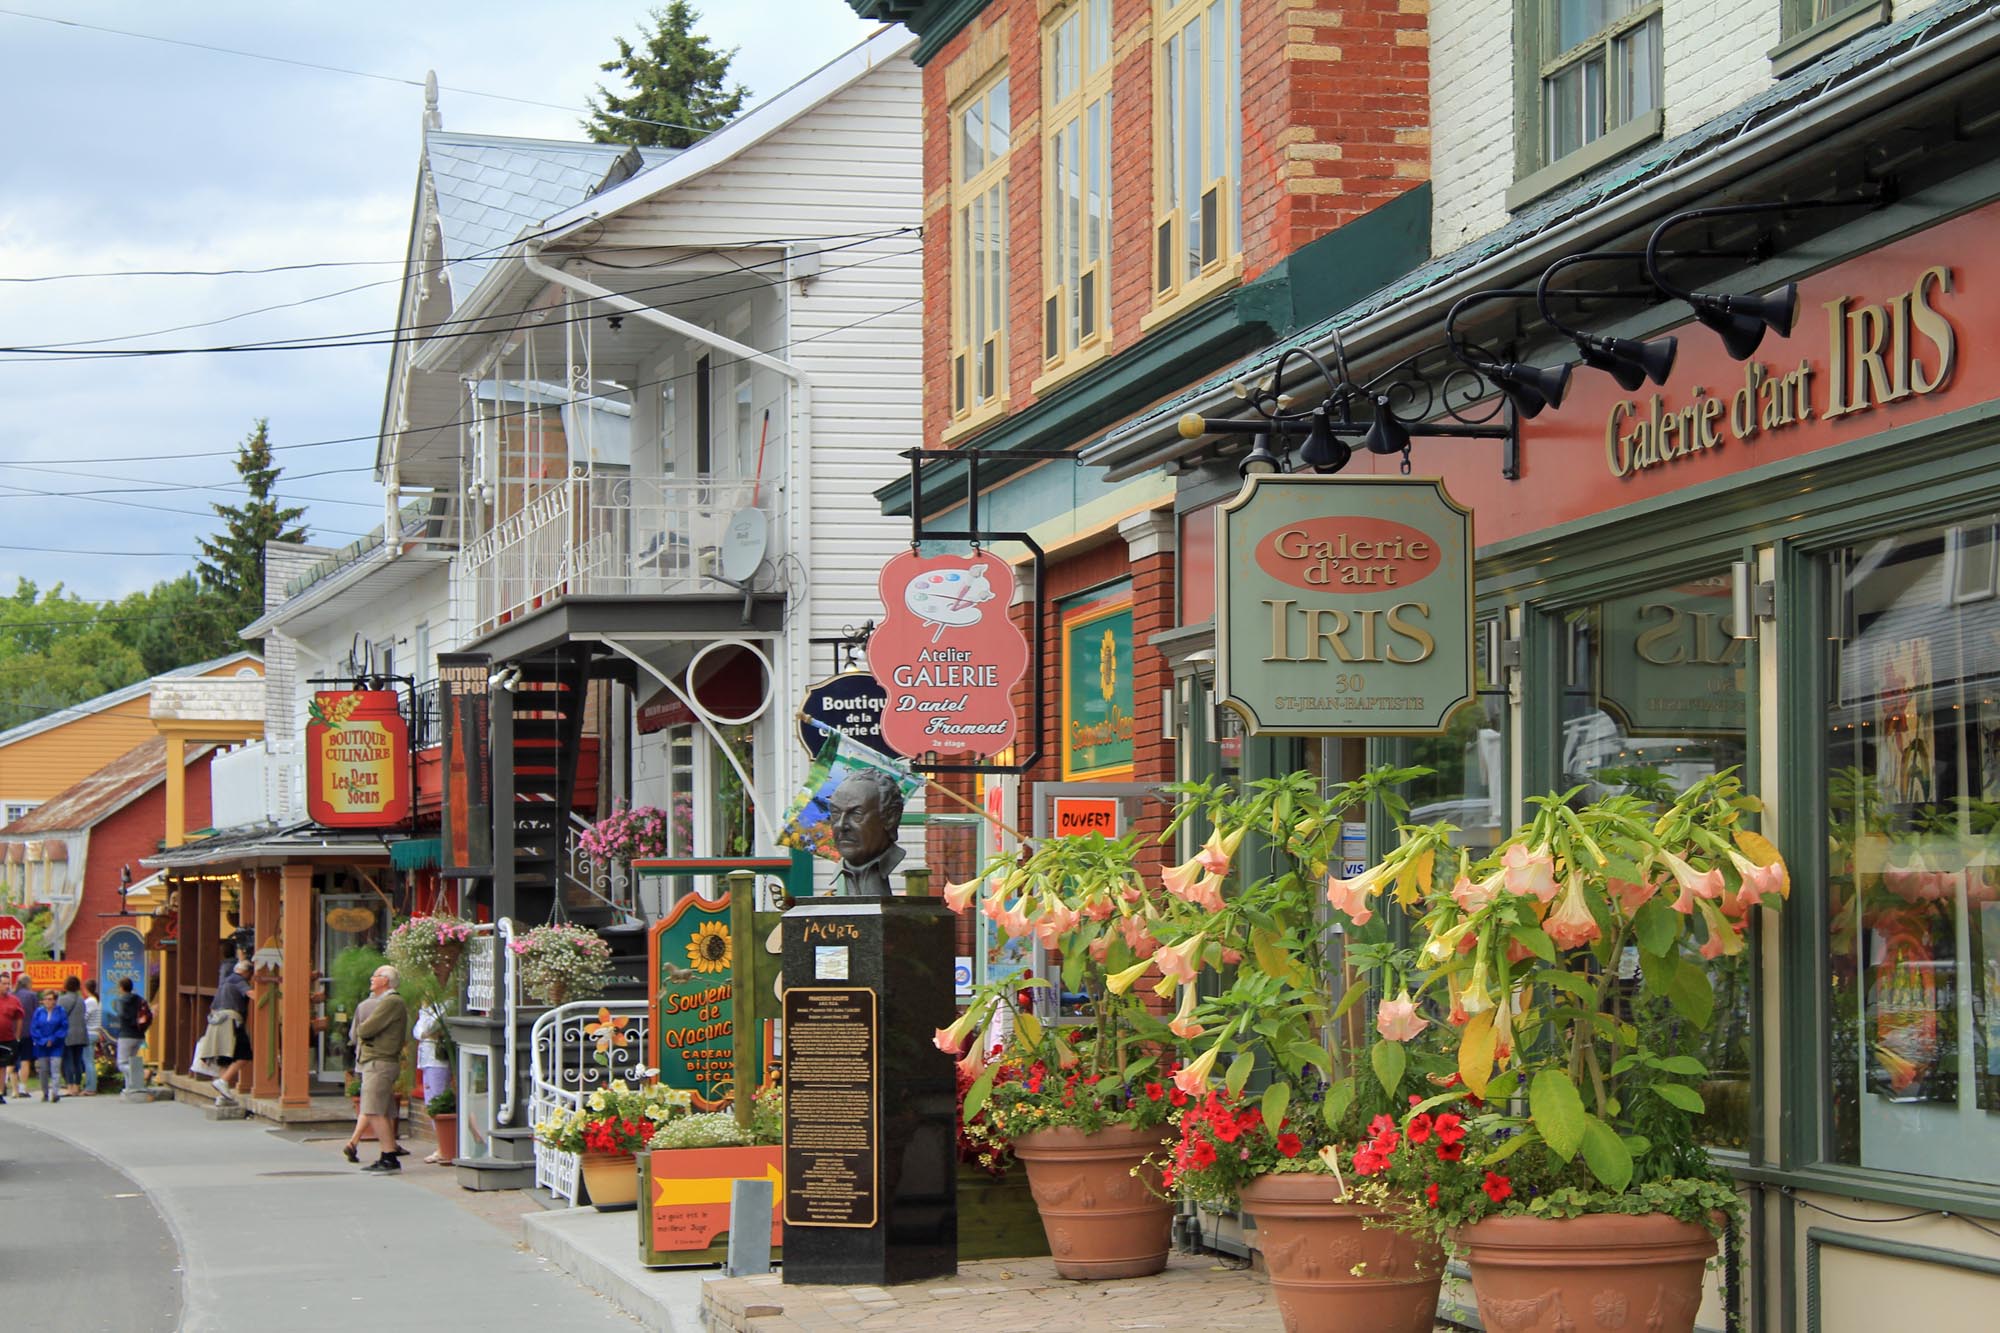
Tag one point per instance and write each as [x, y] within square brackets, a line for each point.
[608, 535]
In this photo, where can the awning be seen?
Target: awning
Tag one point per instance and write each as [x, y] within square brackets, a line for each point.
[730, 684]
[416, 853]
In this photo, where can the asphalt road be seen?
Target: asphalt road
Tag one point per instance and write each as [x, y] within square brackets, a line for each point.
[85, 1248]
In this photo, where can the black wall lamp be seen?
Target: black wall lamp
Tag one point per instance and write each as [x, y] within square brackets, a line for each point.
[1631, 362]
[1740, 321]
[1528, 388]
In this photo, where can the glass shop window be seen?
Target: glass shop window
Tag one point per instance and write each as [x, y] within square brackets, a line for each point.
[1912, 784]
[1469, 762]
[1652, 702]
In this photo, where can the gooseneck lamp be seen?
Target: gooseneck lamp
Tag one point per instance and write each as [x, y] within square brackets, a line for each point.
[1630, 362]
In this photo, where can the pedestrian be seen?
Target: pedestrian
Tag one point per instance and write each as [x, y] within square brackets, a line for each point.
[226, 1045]
[13, 1034]
[126, 1018]
[30, 1000]
[49, 1034]
[93, 1032]
[71, 1003]
[432, 1067]
[381, 1035]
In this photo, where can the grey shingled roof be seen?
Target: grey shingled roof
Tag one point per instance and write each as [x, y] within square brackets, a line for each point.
[490, 189]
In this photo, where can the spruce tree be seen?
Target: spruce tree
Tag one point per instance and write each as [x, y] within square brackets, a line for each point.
[232, 564]
[677, 79]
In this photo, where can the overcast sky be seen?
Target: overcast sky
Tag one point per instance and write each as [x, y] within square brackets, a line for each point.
[123, 153]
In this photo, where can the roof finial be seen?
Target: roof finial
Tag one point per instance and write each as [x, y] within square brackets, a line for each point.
[432, 120]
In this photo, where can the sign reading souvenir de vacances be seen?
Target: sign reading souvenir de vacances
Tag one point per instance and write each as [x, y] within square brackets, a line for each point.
[948, 654]
[465, 712]
[1343, 605]
[851, 703]
[692, 1033]
[357, 760]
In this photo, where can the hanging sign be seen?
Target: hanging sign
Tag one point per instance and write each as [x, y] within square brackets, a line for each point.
[1097, 685]
[851, 703]
[465, 715]
[692, 1034]
[1343, 606]
[357, 760]
[948, 654]
[121, 952]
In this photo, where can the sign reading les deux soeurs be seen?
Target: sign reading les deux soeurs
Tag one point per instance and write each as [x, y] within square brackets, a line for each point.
[357, 760]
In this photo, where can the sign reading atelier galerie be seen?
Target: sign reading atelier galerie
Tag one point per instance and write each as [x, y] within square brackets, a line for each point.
[1344, 605]
[1097, 685]
[464, 726]
[948, 654]
[357, 760]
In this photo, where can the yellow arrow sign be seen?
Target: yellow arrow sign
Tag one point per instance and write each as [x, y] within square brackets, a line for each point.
[710, 1189]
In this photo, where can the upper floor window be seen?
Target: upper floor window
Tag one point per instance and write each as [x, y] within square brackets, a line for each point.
[1198, 159]
[979, 149]
[1076, 75]
[1599, 69]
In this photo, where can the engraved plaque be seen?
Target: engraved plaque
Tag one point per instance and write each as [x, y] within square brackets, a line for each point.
[832, 1146]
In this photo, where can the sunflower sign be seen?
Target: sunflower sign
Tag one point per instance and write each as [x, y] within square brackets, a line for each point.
[694, 1005]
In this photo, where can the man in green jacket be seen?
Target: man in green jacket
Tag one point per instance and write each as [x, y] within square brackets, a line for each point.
[380, 1034]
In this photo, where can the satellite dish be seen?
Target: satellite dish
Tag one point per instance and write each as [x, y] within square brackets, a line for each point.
[744, 545]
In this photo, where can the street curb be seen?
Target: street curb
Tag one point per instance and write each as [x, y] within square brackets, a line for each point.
[580, 1242]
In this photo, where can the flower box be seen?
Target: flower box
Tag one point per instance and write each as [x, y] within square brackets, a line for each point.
[684, 1212]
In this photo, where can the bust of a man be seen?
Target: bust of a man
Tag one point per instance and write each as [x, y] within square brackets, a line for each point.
[865, 814]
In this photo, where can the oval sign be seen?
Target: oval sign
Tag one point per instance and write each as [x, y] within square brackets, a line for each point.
[1356, 554]
[349, 920]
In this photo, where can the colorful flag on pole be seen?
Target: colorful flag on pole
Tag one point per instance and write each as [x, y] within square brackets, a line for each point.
[806, 821]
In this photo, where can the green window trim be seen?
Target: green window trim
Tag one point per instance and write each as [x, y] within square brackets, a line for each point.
[1806, 39]
[1537, 60]
[1608, 147]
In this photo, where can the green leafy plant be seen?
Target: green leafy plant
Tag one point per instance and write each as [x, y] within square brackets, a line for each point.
[348, 978]
[561, 962]
[445, 1103]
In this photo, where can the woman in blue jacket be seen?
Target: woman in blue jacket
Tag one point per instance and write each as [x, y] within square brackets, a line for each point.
[48, 1031]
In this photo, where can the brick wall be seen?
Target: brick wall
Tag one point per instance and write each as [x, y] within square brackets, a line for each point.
[1335, 122]
[121, 840]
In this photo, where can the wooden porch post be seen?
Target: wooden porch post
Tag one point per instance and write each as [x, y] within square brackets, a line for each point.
[265, 921]
[176, 790]
[295, 1020]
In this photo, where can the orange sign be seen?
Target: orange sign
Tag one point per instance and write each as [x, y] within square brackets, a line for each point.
[46, 975]
[1081, 816]
[691, 1189]
[357, 760]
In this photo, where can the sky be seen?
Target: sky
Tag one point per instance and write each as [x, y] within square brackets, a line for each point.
[124, 154]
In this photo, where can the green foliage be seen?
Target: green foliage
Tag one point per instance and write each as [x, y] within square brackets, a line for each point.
[347, 986]
[445, 1103]
[676, 79]
[177, 622]
[232, 564]
[35, 930]
[56, 650]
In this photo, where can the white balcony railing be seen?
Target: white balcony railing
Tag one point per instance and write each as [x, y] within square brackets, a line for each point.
[608, 534]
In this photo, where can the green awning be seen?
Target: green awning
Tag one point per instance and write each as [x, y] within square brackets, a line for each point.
[416, 853]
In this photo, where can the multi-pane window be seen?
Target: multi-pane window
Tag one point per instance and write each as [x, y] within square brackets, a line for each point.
[1200, 144]
[980, 141]
[1076, 74]
[1600, 68]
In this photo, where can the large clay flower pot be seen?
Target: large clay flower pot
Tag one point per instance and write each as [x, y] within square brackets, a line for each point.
[1102, 1220]
[1332, 1273]
[446, 1129]
[612, 1179]
[1534, 1275]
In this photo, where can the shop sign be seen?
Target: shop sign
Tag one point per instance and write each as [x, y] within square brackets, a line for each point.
[948, 654]
[481, 973]
[1344, 606]
[121, 952]
[692, 953]
[1081, 816]
[688, 1192]
[465, 717]
[44, 974]
[357, 760]
[12, 968]
[12, 934]
[1668, 665]
[1097, 686]
[851, 703]
[350, 920]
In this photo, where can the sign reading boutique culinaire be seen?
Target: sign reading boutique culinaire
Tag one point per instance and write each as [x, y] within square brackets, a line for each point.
[1344, 605]
[948, 654]
[357, 760]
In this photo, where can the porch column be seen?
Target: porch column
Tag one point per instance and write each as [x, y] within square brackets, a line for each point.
[176, 790]
[295, 1016]
[264, 920]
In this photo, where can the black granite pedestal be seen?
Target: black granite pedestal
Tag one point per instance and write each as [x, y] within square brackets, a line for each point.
[871, 1152]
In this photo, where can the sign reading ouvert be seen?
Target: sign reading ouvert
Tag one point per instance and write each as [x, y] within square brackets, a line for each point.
[1344, 606]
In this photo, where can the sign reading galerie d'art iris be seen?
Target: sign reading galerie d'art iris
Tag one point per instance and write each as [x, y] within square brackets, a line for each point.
[357, 760]
[1343, 605]
[1097, 684]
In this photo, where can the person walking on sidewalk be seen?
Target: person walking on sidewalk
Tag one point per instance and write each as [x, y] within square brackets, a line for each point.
[30, 1000]
[13, 1034]
[71, 1003]
[227, 1042]
[93, 1032]
[381, 1035]
[122, 1022]
[49, 1032]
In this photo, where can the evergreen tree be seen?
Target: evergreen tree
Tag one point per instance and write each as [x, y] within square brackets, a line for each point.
[232, 564]
[677, 79]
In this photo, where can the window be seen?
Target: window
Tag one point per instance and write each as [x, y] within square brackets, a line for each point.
[1911, 782]
[704, 419]
[13, 810]
[1811, 28]
[1199, 147]
[1467, 784]
[1076, 72]
[1592, 69]
[979, 149]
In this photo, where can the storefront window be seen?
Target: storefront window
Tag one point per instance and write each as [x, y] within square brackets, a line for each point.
[1652, 702]
[733, 831]
[1912, 786]
[1467, 786]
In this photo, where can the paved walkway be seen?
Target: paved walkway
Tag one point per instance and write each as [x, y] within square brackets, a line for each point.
[274, 1232]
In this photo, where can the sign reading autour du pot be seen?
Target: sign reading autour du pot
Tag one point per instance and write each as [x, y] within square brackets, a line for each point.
[1344, 605]
[357, 760]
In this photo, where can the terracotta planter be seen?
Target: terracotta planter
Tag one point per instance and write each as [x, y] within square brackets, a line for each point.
[447, 961]
[446, 1129]
[1533, 1275]
[612, 1179]
[1313, 1243]
[1102, 1221]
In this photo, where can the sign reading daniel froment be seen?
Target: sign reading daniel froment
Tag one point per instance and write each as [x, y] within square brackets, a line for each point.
[1343, 605]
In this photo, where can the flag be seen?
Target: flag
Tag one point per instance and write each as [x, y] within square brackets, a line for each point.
[806, 821]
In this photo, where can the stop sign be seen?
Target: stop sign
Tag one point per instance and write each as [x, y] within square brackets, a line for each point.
[12, 934]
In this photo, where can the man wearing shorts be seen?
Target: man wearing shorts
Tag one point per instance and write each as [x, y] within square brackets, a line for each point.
[13, 1029]
[380, 1035]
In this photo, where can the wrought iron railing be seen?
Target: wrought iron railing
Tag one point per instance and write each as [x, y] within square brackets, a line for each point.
[574, 1050]
[425, 730]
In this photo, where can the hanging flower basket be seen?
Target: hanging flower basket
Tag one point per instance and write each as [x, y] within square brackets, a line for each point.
[431, 944]
[560, 963]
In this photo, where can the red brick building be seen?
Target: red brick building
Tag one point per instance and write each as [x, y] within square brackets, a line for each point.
[1120, 198]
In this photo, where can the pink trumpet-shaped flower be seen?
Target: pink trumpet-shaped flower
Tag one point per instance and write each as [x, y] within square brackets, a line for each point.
[1397, 1019]
[1181, 961]
[1351, 895]
[1193, 1077]
[1206, 893]
[1529, 873]
[1471, 895]
[1014, 922]
[1570, 923]
[1099, 909]
[1631, 895]
[1056, 921]
[958, 897]
[996, 904]
[1100, 948]
[1121, 981]
[1705, 884]
[1218, 851]
[1184, 1025]
[974, 1061]
[1722, 937]
[1181, 878]
[1760, 880]
[950, 1039]
[1137, 937]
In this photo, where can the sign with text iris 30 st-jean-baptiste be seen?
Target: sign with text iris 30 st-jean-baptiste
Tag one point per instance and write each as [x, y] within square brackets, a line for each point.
[1343, 605]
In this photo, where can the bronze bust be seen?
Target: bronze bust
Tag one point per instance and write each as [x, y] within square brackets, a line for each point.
[865, 814]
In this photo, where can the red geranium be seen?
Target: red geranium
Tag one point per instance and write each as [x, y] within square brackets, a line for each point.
[1431, 1194]
[1289, 1145]
[1450, 1152]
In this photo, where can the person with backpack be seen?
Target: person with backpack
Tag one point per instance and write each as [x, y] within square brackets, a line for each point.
[30, 999]
[128, 1017]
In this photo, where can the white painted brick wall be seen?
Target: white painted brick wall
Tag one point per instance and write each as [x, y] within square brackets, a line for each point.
[1716, 53]
[1472, 112]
